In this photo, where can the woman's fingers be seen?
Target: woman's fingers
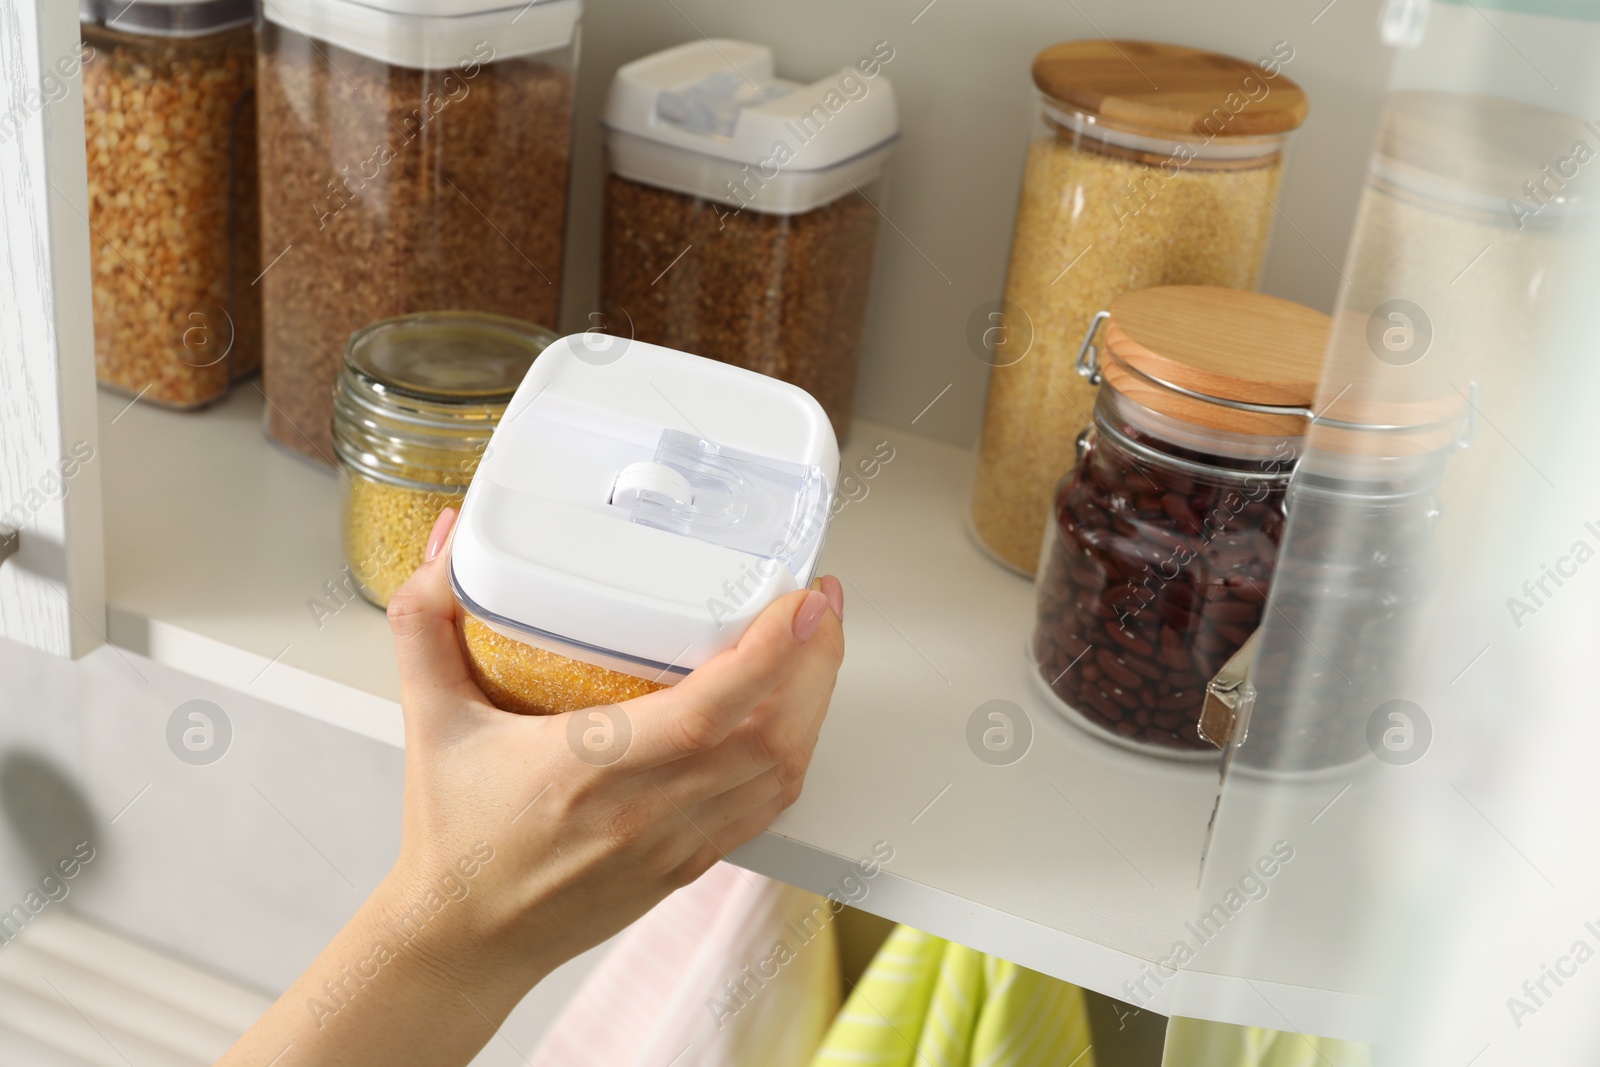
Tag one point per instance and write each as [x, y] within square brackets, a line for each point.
[795, 633]
[422, 614]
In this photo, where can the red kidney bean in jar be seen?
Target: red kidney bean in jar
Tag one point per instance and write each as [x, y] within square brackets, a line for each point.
[1153, 578]
[1161, 542]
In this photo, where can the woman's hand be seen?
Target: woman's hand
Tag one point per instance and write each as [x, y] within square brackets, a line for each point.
[528, 839]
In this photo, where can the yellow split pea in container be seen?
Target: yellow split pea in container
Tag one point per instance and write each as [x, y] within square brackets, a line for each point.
[415, 404]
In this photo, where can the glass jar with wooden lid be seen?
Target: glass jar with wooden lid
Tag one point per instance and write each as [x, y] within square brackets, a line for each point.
[416, 401]
[1162, 542]
[1150, 164]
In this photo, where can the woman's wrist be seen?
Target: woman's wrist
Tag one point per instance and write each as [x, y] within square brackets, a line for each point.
[455, 920]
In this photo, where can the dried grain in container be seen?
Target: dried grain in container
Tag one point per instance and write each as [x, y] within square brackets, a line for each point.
[740, 217]
[609, 545]
[415, 404]
[170, 131]
[1150, 164]
[1161, 543]
[418, 155]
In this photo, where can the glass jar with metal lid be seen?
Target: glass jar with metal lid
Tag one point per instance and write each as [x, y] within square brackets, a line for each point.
[416, 402]
[1161, 544]
[1150, 164]
[170, 130]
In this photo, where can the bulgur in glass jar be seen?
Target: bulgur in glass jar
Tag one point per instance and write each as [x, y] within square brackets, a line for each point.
[1150, 164]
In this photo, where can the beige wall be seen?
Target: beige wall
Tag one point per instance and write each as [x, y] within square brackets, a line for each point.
[961, 76]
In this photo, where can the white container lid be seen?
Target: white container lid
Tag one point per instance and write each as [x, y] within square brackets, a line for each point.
[641, 505]
[167, 18]
[710, 118]
[432, 34]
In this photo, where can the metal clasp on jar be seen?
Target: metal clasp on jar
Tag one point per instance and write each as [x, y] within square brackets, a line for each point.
[1088, 362]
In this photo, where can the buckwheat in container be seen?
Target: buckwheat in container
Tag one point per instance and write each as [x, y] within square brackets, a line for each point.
[637, 507]
[416, 155]
[740, 217]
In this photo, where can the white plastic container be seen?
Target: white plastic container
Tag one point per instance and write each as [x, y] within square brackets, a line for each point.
[636, 509]
[742, 210]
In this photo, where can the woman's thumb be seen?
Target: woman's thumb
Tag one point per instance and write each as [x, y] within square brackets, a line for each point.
[422, 617]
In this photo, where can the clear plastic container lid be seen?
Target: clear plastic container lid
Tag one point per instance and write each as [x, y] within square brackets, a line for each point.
[711, 118]
[639, 505]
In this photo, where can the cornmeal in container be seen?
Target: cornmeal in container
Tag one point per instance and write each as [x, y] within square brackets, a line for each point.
[636, 509]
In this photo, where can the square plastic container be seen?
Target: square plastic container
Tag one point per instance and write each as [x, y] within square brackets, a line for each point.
[418, 153]
[740, 210]
[608, 545]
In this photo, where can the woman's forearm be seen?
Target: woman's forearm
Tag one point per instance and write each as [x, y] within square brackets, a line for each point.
[405, 981]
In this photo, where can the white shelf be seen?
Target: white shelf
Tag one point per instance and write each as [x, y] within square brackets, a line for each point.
[215, 542]
[1080, 860]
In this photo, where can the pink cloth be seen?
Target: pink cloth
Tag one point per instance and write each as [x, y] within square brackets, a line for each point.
[733, 970]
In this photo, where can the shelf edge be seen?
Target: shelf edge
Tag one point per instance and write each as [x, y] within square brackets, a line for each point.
[1200, 995]
[265, 679]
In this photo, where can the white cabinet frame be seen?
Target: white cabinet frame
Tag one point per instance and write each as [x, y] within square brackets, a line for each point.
[52, 591]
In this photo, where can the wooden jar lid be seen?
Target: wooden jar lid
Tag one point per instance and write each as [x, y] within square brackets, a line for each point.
[1227, 344]
[1168, 88]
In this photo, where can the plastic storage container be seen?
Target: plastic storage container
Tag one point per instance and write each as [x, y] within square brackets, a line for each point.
[1127, 185]
[609, 545]
[170, 130]
[1162, 543]
[739, 211]
[418, 151]
[415, 404]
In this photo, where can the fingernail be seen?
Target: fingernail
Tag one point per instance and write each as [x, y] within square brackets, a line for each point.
[835, 594]
[809, 617]
[441, 530]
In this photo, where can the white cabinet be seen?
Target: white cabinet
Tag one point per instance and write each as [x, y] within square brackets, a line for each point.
[189, 542]
[52, 589]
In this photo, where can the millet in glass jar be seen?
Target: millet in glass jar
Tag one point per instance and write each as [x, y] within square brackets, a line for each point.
[1090, 226]
[386, 527]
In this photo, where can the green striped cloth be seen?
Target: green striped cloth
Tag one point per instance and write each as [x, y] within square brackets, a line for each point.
[1195, 1043]
[925, 1002]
